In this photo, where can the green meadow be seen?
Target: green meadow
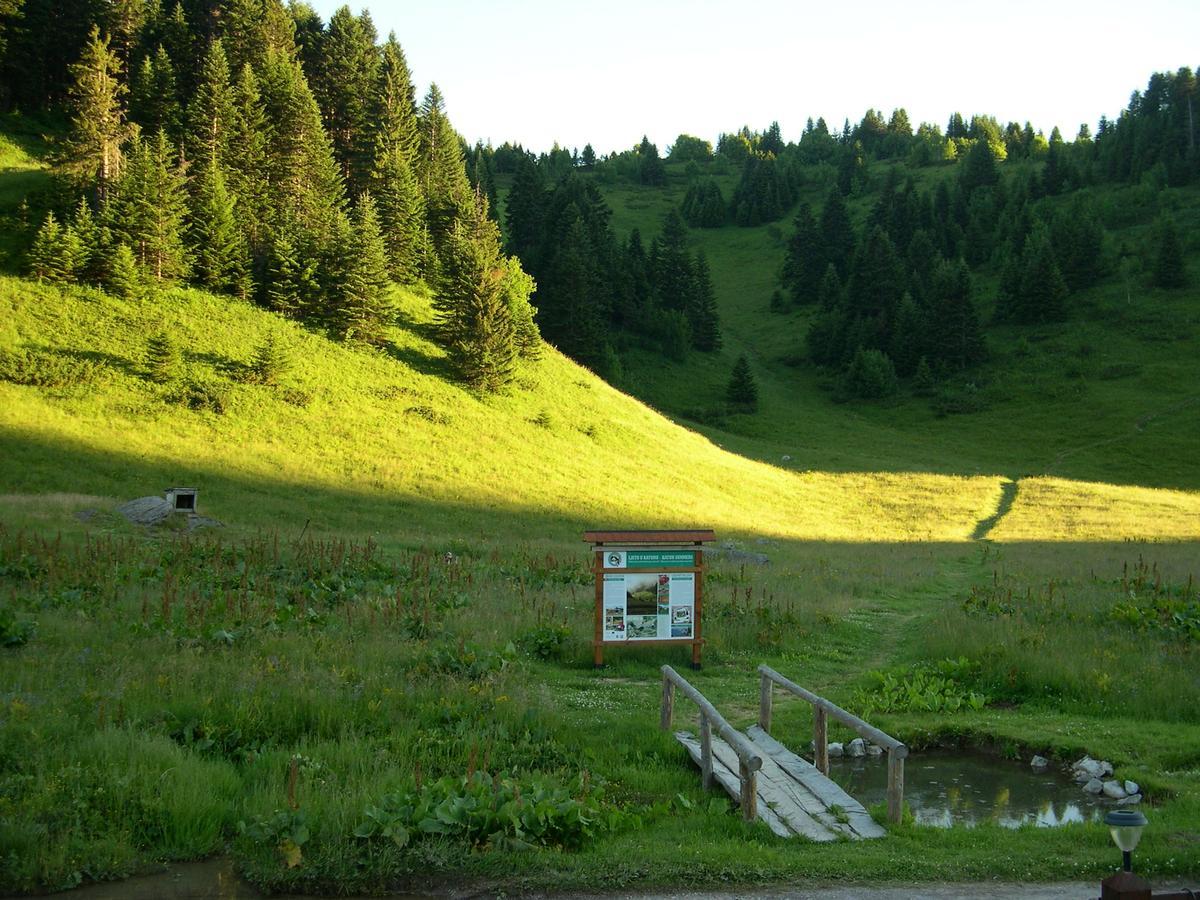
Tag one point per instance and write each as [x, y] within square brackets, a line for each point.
[380, 666]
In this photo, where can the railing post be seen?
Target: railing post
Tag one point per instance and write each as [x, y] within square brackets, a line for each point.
[821, 740]
[706, 758]
[668, 701]
[895, 791]
[749, 790]
[765, 698]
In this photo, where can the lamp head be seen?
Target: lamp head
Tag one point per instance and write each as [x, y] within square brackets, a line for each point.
[1125, 826]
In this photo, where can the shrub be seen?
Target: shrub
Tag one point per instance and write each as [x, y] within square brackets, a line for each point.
[13, 631]
[41, 368]
[271, 361]
[490, 812]
[212, 396]
[163, 359]
[871, 375]
[545, 641]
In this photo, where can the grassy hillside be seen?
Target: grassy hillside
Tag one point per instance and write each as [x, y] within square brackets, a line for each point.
[1109, 395]
[272, 688]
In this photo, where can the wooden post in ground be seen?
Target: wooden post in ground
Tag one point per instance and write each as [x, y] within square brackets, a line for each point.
[706, 757]
[765, 698]
[749, 791]
[820, 740]
[895, 790]
[668, 703]
[598, 637]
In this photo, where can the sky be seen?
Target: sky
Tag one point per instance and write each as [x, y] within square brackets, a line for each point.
[536, 72]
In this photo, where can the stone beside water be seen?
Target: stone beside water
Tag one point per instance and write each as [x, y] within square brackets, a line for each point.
[1039, 762]
[857, 747]
[1115, 790]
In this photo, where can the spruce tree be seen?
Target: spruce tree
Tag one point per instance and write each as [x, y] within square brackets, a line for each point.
[149, 208]
[441, 170]
[1169, 269]
[122, 276]
[49, 259]
[305, 185]
[955, 338]
[526, 211]
[154, 95]
[365, 310]
[163, 359]
[344, 86]
[671, 265]
[742, 391]
[702, 309]
[98, 127]
[271, 360]
[394, 183]
[211, 110]
[837, 233]
[1043, 291]
[831, 296]
[804, 265]
[474, 318]
[517, 287]
[247, 159]
[650, 166]
[220, 257]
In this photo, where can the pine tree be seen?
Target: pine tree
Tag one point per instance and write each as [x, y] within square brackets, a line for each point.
[742, 390]
[149, 208]
[220, 257]
[394, 183]
[256, 29]
[48, 256]
[956, 337]
[211, 111]
[805, 263]
[365, 310]
[285, 276]
[837, 233]
[526, 211]
[122, 277]
[1169, 269]
[98, 126]
[443, 176]
[344, 85]
[1043, 290]
[305, 186]
[271, 361]
[702, 309]
[247, 159]
[154, 97]
[671, 265]
[474, 318]
[163, 359]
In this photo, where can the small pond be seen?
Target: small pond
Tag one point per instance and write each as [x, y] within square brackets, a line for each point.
[947, 789]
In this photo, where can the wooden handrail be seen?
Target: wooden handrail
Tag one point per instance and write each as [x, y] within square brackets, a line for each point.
[822, 709]
[749, 761]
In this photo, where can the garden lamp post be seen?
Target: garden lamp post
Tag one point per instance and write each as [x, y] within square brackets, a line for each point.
[1125, 826]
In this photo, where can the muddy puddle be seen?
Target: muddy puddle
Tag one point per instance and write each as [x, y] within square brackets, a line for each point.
[948, 790]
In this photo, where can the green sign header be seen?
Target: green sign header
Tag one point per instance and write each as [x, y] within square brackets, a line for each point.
[654, 559]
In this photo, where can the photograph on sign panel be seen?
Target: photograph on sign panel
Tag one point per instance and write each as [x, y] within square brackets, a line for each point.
[681, 615]
[641, 627]
[641, 595]
[681, 631]
[614, 618]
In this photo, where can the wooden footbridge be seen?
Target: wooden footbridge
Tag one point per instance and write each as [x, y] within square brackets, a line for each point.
[793, 796]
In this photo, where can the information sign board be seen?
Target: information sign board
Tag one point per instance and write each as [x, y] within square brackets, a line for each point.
[651, 592]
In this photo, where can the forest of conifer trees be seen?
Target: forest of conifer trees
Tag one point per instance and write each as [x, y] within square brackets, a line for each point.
[249, 148]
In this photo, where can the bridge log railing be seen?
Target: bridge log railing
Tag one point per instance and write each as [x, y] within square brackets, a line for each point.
[822, 710]
[749, 761]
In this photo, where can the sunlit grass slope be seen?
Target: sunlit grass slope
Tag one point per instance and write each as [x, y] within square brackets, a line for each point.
[402, 448]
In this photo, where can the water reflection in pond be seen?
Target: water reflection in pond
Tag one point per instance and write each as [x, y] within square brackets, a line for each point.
[947, 789]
